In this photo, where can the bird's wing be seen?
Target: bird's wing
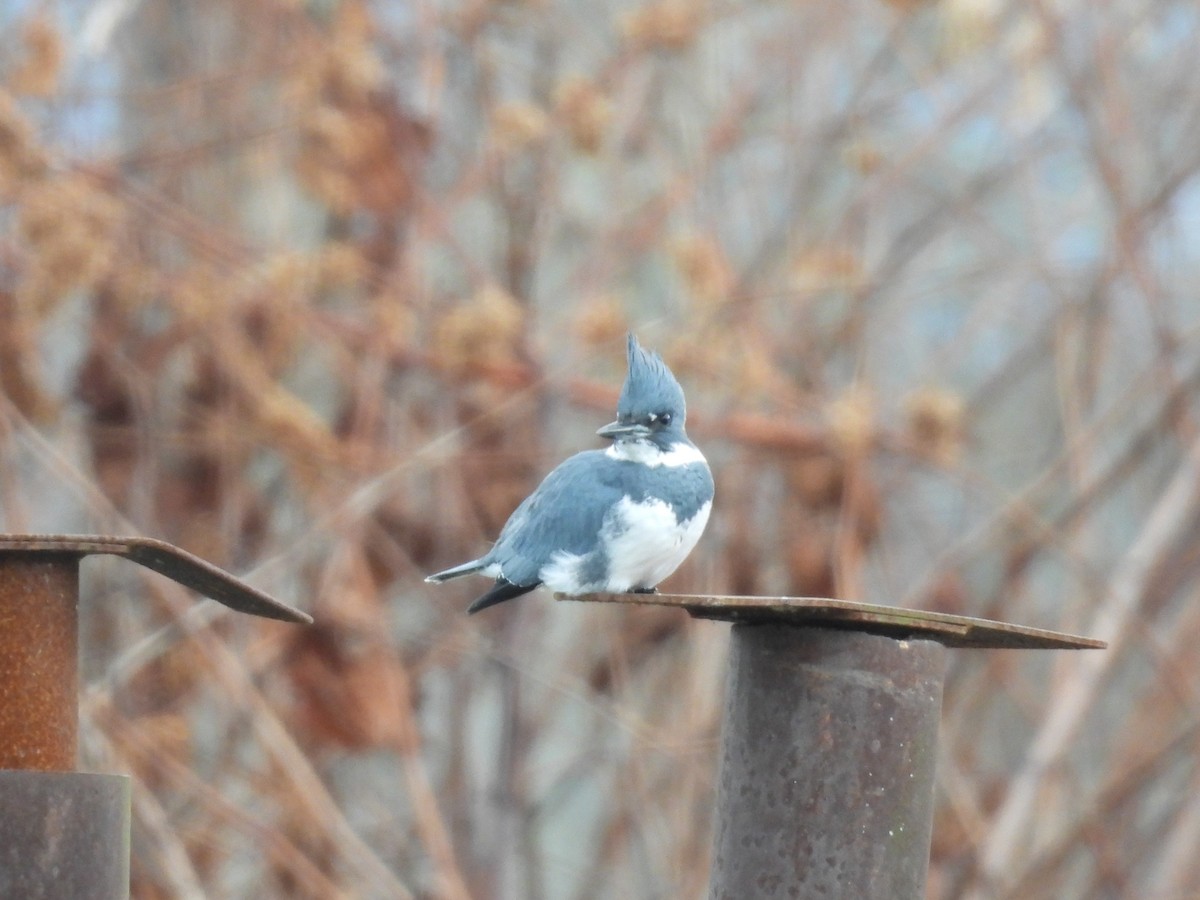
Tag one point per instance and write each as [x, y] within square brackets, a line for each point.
[564, 514]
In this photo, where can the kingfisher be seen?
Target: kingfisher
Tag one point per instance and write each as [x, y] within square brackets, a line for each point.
[608, 521]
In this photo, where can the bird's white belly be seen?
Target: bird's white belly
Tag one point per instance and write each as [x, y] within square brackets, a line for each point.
[645, 543]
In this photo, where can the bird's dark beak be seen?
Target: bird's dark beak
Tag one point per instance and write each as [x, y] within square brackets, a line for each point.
[620, 431]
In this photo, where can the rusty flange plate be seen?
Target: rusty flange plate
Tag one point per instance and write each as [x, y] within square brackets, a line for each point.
[166, 559]
[821, 612]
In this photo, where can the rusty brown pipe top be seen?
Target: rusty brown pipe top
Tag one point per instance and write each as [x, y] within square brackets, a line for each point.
[39, 663]
[822, 612]
[166, 559]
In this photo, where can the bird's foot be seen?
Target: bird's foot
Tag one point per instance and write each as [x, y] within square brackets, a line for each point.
[644, 591]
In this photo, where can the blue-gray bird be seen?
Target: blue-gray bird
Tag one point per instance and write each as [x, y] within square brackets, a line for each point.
[614, 520]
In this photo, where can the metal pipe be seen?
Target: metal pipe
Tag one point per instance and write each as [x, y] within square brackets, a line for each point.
[64, 834]
[827, 765]
[39, 668]
[830, 738]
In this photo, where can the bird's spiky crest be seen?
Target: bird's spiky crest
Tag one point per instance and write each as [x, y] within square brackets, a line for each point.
[649, 387]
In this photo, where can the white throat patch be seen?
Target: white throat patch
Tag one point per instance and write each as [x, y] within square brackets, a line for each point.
[647, 453]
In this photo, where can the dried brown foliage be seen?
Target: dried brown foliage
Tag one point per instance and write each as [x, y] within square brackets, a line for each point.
[320, 292]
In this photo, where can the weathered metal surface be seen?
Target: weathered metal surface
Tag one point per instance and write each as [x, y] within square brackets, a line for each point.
[946, 629]
[39, 668]
[827, 765]
[39, 597]
[166, 559]
[64, 835]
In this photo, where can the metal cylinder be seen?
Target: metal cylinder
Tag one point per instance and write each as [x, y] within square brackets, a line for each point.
[827, 765]
[64, 834]
[39, 661]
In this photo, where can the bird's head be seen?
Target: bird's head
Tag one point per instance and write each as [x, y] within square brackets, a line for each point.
[651, 406]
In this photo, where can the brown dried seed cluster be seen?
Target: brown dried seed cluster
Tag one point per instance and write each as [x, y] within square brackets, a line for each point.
[483, 331]
[935, 422]
[851, 418]
[516, 126]
[601, 320]
[69, 228]
[666, 25]
[705, 268]
[585, 112]
[40, 63]
[357, 145]
[21, 157]
[828, 267]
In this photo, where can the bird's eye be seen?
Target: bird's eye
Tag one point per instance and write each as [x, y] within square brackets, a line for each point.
[664, 417]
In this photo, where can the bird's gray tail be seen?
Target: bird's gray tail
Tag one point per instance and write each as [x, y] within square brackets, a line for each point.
[465, 569]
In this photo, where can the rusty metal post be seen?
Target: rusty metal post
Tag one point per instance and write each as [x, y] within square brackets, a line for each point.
[65, 833]
[827, 765]
[39, 668]
[830, 738]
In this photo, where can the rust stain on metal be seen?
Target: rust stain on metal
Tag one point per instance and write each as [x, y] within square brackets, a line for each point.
[946, 629]
[166, 559]
[39, 668]
[63, 833]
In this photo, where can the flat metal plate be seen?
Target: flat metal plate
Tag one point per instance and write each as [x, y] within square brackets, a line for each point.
[166, 559]
[822, 612]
